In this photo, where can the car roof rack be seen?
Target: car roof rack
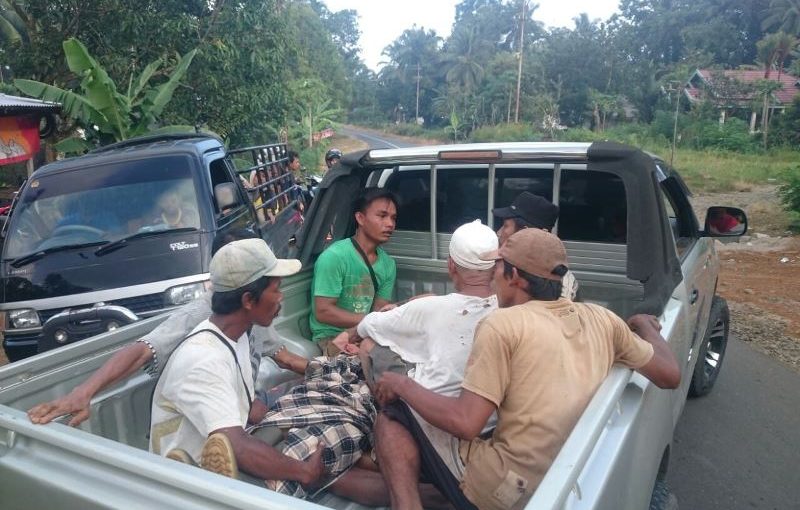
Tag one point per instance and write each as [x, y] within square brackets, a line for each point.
[148, 139]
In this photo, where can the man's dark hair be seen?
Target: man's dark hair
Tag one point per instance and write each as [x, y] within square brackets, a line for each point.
[228, 236]
[521, 223]
[369, 195]
[291, 156]
[538, 287]
[224, 303]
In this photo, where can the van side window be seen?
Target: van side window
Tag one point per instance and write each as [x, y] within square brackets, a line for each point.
[592, 207]
[412, 187]
[219, 174]
[510, 182]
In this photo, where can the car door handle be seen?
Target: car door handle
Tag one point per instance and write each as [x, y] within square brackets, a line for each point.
[693, 298]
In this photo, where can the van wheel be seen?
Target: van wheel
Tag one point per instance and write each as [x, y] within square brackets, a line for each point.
[712, 350]
[663, 498]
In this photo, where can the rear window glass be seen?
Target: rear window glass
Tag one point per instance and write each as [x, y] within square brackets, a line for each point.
[510, 182]
[592, 207]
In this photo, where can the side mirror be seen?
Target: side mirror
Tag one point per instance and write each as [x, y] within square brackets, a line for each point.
[226, 196]
[725, 222]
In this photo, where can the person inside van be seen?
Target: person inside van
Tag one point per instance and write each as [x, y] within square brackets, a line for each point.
[174, 212]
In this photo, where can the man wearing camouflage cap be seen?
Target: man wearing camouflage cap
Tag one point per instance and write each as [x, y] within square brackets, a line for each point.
[536, 362]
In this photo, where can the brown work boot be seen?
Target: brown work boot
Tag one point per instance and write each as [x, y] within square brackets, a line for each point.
[218, 457]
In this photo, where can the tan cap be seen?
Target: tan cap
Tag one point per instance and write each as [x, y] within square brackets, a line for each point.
[534, 251]
[241, 262]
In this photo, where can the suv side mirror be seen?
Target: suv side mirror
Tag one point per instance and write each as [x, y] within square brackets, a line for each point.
[226, 196]
[725, 222]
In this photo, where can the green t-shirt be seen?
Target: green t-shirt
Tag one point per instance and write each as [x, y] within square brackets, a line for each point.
[341, 273]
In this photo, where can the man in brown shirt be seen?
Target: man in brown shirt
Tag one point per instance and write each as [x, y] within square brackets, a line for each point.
[537, 362]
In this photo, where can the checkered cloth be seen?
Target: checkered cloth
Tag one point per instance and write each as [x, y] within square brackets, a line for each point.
[333, 406]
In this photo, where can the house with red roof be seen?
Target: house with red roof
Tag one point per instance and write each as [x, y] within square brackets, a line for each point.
[733, 91]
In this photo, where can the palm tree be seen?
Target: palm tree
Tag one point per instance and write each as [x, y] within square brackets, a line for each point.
[463, 70]
[412, 56]
[783, 15]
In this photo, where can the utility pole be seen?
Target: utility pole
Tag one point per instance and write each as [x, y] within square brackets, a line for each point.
[416, 113]
[521, 48]
[678, 87]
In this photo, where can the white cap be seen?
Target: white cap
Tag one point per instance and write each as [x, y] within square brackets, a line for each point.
[469, 242]
[241, 262]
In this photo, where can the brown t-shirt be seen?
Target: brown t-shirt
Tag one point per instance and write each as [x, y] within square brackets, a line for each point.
[540, 363]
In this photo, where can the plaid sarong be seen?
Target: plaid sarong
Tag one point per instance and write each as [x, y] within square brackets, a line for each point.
[332, 406]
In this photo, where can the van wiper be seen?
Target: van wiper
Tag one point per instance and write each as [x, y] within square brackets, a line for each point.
[121, 243]
[31, 257]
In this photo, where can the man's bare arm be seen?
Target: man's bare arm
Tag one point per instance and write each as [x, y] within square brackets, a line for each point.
[662, 369]
[120, 365]
[328, 313]
[463, 416]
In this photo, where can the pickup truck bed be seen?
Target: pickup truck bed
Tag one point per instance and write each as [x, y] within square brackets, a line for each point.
[618, 449]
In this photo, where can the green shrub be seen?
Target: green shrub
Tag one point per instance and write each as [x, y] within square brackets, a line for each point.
[734, 135]
[789, 191]
[408, 129]
[505, 133]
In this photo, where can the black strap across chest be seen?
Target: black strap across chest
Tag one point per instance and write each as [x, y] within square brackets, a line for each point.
[369, 266]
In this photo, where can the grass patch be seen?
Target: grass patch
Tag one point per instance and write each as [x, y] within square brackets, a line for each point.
[730, 171]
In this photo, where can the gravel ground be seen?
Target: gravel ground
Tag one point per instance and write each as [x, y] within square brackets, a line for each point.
[765, 332]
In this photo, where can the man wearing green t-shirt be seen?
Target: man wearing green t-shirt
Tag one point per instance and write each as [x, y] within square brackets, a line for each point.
[343, 290]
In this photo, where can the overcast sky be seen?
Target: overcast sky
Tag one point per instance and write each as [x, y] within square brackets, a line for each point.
[382, 21]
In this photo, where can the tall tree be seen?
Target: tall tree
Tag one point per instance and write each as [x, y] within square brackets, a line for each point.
[783, 15]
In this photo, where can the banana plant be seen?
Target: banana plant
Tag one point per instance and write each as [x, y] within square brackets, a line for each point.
[101, 107]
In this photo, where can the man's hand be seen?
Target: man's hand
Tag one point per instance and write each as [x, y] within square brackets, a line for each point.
[75, 403]
[346, 342]
[641, 322]
[387, 388]
[257, 411]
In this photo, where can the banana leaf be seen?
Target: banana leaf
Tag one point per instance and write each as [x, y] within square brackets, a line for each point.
[73, 145]
[157, 98]
[100, 90]
[72, 105]
[141, 82]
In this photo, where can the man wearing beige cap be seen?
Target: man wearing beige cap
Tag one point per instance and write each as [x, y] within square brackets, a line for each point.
[202, 400]
[536, 362]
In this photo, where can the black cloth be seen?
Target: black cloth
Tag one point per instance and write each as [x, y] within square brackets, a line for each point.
[432, 467]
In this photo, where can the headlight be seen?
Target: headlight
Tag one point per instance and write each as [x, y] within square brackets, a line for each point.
[182, 294]
[24, 318]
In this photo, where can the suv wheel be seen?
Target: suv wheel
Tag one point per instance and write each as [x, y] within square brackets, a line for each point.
[712, 350]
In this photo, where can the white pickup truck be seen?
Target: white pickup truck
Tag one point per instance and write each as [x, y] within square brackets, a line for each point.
[634, 245]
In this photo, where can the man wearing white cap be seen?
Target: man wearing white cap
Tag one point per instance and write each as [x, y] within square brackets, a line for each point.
[202, 400]
[434, 334]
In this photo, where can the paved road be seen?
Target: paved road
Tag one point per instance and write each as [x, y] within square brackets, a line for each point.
[737, 448]
[375, 139]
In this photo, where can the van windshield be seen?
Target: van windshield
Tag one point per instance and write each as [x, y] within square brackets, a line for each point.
[103, 203]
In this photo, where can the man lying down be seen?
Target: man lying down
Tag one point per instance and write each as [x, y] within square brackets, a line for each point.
[429, 338]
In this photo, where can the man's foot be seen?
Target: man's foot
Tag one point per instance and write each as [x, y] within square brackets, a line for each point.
[181, 456]
[218, 457]
[315, 470]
